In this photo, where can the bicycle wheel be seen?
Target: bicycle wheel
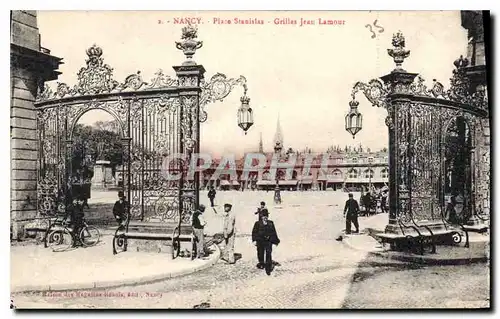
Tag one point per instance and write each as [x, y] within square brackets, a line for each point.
[60, 240]
[89, 236]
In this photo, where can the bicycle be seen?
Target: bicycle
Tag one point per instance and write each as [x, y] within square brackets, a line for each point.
[63, 237]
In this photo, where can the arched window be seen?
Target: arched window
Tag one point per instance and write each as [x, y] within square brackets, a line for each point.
[368, 173]
[336, 173]
[384, 173]
[353, 173]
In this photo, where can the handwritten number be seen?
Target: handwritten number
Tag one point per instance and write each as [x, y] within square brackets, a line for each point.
[376, 26]
[374, 35]
[370, 27]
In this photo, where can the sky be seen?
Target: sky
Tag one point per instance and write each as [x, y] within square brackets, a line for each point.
[303, 74]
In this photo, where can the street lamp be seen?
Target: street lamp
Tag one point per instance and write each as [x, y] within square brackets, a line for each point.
[277, 194]
[370, 161]
[245, 113]
[353, 119]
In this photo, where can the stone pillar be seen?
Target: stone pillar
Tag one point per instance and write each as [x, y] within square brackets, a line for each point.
[473, 22]
[190, 76]
[31, 66]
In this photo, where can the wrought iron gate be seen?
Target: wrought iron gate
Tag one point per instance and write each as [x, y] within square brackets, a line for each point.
[421, 120]
[155, 120]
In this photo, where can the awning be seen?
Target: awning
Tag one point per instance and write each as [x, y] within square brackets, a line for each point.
[306, 182]
[236, 183]
[335, 180]
[225, 183]
[288, 183]
[265, 182]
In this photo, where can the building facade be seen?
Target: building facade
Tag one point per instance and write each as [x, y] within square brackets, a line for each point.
[31, 66]
[348, 168]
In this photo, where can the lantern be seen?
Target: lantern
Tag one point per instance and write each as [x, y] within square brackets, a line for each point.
[245, 114]
[353, 119]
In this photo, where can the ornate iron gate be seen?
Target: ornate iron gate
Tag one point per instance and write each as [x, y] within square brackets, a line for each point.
[155, 121]
[421, 122]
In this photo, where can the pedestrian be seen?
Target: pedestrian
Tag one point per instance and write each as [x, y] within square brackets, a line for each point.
[351, 210]
[259, 209]
[383, 202]
[77, 217]
[264, 236]
[367, 203]
[121, 209]
[198, 223]
[211, 195]
[229, 232]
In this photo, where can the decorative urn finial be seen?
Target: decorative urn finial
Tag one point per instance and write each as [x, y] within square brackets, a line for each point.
[189, 45]
[398, 53]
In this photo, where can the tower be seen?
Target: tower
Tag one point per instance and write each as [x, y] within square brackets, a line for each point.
[261, 146]
[278, 137]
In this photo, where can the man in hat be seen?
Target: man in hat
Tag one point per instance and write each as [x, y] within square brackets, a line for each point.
[351, 210]
[198, 223]
[259, 209]
[211, 195]
[121, 208]
[264, 236]
[229, 232]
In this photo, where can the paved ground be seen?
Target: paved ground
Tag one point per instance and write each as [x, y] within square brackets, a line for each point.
[316, 271]
[38, 268]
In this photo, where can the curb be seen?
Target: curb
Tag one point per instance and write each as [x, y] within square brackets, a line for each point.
[417, 259]
[119, 283]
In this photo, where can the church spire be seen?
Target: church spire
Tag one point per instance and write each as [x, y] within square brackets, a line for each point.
[278, 136]
[261, 146]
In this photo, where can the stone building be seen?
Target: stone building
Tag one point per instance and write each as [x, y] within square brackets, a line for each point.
[348, 168]
[31, 66]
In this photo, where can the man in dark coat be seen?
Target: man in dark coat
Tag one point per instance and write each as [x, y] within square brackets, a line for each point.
[264, 236]
[351, 210]
[198, 223]
[77, 217]
[211, 195]
[121, 208]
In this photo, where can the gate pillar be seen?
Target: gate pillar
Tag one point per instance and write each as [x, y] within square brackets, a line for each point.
[190, 76]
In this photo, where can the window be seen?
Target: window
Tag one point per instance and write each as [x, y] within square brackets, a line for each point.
[354, 160]
[370, 160]
[353, 173]
[336, 173]
[368, 173]
[384, 173]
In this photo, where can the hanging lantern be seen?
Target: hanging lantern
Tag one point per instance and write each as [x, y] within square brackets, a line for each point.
[245, 113]
[353, 119]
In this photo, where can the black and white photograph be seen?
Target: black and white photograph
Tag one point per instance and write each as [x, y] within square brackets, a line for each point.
[250, 160]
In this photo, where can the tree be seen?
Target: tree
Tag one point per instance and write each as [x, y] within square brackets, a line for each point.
[98, 142]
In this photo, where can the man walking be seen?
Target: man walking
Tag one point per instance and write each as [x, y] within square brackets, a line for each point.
[211, 195]
[198, 223]
[351, 210]
[229, 232]
[121, 208]
[264, 236]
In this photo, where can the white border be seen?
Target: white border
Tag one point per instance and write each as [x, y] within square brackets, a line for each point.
[187, 5]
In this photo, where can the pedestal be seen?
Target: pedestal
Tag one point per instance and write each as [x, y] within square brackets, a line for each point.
[102, 175]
